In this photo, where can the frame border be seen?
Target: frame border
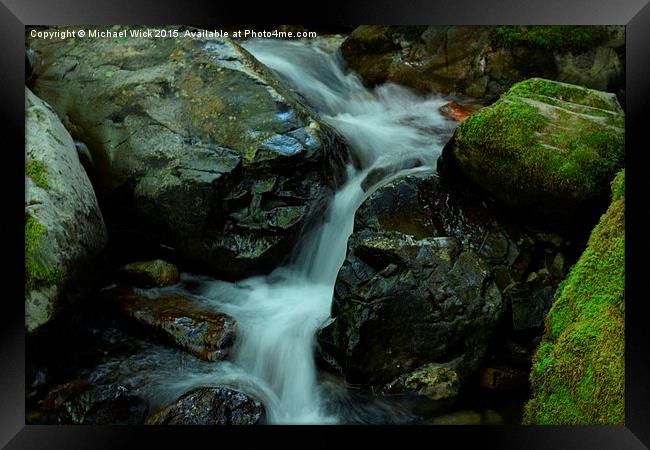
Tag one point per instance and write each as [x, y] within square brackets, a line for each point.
[635, 14]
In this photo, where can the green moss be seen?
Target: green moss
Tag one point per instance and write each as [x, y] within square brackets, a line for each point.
[536, 87]
[555, 37]
[36, 170]
[543, 137]
[578, 371]
[37, 274]
[618, 186]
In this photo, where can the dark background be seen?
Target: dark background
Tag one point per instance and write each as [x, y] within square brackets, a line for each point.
[15, 14]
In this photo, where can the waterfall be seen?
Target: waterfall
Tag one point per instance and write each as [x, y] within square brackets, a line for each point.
[279, 315]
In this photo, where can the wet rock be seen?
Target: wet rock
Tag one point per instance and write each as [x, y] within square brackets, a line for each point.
[198, 148]
[78, 402]
[530, 301]
[180, 320]
[417, 286]
[65, 235]
[210, 406]
[457, 111]
[147, 274]
[553, 149]
[481, 61]
[504, 378]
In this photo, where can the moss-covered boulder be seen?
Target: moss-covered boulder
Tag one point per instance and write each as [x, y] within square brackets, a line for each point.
[197, 147]
[545, 146]
[481, 61]
[578, 372]
[65, 234]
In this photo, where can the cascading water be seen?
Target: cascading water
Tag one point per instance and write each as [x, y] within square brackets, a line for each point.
[279, 315]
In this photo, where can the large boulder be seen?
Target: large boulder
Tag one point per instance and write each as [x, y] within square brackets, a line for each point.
[197, 147]
[419, 284]
[482, 61]
[578, 375]
[547, 148]
[65, 235]
[210, 406]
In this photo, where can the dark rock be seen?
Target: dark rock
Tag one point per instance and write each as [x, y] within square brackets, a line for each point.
[475, 61]
[417, 286]
[205, 333]
[197, 147]
[503, 378]
[530, 301]
[147, 274]
[78, 402]
[210, 406]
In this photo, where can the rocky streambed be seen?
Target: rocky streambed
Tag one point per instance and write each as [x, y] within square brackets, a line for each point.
[223, 232]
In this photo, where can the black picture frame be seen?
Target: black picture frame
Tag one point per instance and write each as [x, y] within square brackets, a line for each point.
[634, 14]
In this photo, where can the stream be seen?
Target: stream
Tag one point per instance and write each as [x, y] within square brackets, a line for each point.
[278, 316]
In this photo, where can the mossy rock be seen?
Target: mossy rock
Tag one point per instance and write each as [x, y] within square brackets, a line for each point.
[544, 146]
[65, 233]
[578, 371]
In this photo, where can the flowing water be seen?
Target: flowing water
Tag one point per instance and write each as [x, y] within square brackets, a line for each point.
[279, 315]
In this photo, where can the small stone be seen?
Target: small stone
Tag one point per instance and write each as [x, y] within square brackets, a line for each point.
[457, 111]
[147, 274]
[434, 382]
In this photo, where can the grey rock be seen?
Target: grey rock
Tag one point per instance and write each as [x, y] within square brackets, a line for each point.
[65, 231]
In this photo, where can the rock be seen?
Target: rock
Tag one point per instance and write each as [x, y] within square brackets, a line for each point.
[465, 417]
[491, 417]
[197, 147]
[205, 333]
[65, 235]
[530, 301]
[78, 402]
[503, 378]
[30, 62]
[61, 393]
[147, 274]
[210, 406]
[458, 112]
[416, 286]
[578, 373]
[547, 148]
[481, 61]
[434, 382]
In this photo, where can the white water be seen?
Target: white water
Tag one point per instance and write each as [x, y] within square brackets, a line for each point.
[278, 315]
